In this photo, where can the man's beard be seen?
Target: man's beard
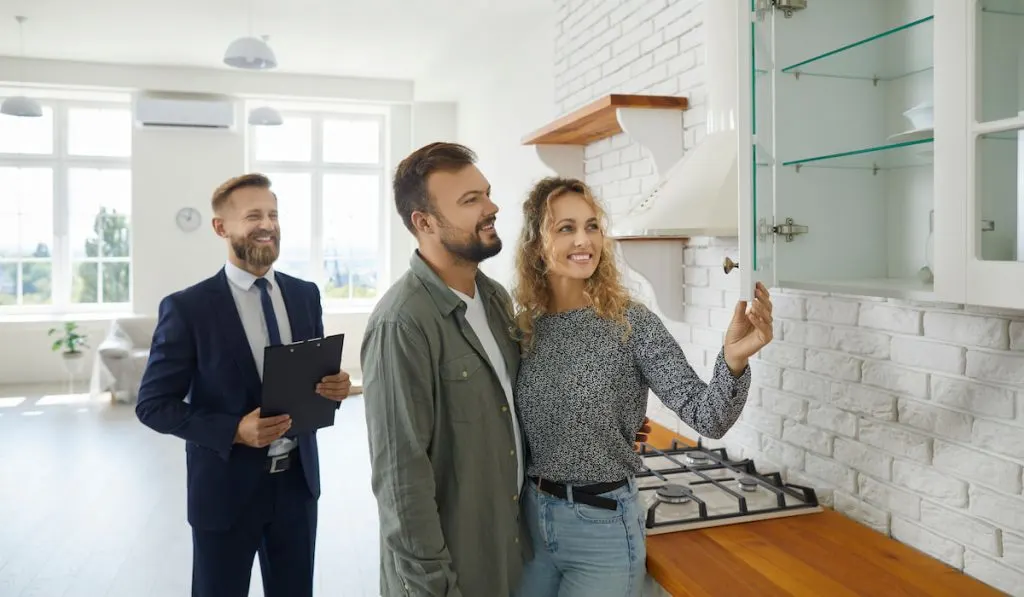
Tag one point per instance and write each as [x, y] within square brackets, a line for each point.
[256, 255]
[468, 247]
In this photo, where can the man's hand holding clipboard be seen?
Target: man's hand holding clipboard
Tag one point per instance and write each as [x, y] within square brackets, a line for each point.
[335, 386]
[304, 381]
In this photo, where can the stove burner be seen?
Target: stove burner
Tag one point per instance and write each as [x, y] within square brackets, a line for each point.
[697, 457]
[687, 487]
[674, 494]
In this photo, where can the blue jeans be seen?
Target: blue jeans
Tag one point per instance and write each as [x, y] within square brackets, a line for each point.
[584, 551]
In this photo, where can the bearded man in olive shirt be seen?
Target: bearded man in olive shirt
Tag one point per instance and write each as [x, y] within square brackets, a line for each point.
[438, 358]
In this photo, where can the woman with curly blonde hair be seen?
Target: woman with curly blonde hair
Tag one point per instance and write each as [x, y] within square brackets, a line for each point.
[590, 355]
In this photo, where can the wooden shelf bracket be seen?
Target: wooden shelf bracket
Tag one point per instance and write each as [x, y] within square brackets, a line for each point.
[564, 160]
[659, 132]
[660, 264]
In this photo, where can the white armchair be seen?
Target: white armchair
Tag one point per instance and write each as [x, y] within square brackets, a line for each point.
[121, 358]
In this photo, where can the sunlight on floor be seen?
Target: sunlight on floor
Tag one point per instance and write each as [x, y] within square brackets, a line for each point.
[63, 399]
[30, 404]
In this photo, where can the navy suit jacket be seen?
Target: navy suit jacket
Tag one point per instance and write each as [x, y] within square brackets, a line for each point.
[200, 351]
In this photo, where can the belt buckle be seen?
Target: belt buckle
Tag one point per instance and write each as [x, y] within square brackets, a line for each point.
[274, 460]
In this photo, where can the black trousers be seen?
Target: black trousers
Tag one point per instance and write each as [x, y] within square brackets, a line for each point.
[279, 524]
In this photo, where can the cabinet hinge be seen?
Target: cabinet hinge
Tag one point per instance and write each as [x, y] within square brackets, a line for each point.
[788, 7]
[788, 229]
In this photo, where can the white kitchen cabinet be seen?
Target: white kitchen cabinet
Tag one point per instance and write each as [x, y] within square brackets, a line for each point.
[980, 169]
[848, 180]
[881, 205]
[837, 183]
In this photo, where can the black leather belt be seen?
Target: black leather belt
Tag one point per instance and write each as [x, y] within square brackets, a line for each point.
[282, 462]
[584, 494]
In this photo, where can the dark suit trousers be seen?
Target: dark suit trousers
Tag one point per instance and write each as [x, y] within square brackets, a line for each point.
[279, 524]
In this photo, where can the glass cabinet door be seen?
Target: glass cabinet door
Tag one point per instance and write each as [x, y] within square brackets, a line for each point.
[841, 144]
[756, 161]
[995, 215]
[999, 114]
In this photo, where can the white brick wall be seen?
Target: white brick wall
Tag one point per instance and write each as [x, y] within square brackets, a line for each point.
[639, 46]
[907, 417]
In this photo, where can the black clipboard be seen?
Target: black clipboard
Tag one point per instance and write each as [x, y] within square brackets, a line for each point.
[290, 375]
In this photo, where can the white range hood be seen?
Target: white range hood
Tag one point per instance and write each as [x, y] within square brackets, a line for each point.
[698, 194]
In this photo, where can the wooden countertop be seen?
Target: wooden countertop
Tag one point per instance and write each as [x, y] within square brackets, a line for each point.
[824, 554]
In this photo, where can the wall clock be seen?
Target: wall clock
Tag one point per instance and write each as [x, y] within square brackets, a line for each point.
[188, 219]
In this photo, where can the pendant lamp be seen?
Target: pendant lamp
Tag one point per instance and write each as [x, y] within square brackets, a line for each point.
[21, 105]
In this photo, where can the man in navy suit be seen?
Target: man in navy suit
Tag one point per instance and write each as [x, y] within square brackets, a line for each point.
[250, 489]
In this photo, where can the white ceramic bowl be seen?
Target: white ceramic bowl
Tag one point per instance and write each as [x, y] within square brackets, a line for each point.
[920, 116]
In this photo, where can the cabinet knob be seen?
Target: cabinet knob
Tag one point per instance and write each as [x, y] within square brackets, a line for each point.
[729, 265]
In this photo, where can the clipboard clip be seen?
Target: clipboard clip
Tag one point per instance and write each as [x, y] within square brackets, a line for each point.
[291, 346]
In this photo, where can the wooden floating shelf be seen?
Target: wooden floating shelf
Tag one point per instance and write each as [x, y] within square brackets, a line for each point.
[599, 119]
[653, 121]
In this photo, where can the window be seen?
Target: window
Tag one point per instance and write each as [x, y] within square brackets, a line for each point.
[327, 169]
[65, 208]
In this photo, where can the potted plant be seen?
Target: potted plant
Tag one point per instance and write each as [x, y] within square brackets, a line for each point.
[70, 344]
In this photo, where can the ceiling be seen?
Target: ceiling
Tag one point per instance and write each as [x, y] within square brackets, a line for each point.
[377, 38]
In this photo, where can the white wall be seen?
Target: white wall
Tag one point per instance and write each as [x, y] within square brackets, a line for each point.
[502, 80]
[176, 168]
[908, 417]
[171, 169]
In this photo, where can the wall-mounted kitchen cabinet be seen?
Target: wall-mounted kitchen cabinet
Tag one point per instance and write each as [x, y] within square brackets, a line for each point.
[881, 143]
[880, 151]
[836, 167]
[980, 169]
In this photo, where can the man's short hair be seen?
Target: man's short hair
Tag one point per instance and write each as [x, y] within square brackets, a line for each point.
[245, 181]
[410, 182]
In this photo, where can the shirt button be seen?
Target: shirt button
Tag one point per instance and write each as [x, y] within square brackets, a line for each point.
[504, 409]
[517, 539]
[465, 374]
[511, 452]
[515, 498]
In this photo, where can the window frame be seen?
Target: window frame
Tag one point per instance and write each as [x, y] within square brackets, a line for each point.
[62, 162]
[317, 168]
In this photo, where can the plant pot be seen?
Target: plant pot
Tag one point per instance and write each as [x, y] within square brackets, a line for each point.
[74, 362]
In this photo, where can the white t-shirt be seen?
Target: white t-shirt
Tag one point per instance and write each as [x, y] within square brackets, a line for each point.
[477, 318]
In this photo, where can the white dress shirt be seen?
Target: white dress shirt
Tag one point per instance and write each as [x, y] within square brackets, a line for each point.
[250, 310]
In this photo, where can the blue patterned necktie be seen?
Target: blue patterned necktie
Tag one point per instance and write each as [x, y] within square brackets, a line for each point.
[268, 311]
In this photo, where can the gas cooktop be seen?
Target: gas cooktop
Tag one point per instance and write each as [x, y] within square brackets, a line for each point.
[685, 488]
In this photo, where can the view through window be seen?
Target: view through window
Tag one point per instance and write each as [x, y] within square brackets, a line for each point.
[327, 169]
[65, 208]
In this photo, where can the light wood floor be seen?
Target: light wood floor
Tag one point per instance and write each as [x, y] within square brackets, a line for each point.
[92, 503]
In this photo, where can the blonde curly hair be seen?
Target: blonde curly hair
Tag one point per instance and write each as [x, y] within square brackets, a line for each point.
[531, 292]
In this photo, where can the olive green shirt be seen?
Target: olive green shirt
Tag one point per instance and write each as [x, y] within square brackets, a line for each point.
[442, 447]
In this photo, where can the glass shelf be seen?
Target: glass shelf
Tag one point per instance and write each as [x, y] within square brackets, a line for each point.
[1001, 136]
[909, 289]
[1008, 8]
[907, 154]
[886, 56]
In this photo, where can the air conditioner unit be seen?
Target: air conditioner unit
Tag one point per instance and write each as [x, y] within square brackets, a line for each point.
[189, 110]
